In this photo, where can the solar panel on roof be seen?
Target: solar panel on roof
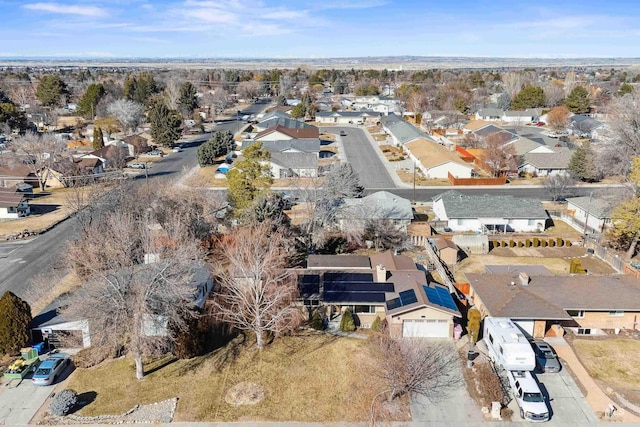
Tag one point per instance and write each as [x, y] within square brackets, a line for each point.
[440, 296]
[310, 278]
[353, 297]
[408, 297]
[358, 286]
[394, 303]
[348, 277]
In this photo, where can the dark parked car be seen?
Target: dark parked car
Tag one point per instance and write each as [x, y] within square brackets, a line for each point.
[343, 133]
[546, 359]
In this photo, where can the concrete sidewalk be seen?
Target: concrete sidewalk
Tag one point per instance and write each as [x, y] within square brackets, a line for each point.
[597, 399]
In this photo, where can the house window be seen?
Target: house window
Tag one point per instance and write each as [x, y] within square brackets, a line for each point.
[500, 348]
[531, 222]
[362, 308]
[616, 313]
[584, 331]
[607, 220]
[491, 338]
[578, 314]
[311, 302]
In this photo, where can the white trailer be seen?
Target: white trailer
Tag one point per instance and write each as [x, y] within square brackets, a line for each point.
[508, 347]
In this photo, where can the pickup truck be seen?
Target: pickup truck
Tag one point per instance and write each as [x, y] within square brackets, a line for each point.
[526, 392]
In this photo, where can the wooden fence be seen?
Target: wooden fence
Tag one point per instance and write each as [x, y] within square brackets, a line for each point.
[477, 181]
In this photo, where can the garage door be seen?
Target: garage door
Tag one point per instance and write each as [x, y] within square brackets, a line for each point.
[426, 328]
[525, 326]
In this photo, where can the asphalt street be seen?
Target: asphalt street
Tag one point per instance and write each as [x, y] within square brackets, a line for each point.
[363, 157]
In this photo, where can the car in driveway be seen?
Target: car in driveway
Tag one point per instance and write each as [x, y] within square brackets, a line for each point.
[137, 165]
[343, 133]
[546, 358]
[177, 149]
[50, 369]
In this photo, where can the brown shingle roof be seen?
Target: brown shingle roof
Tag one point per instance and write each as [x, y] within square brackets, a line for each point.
[313, 132]
[549, 296]
[17, 171]
[392, 262]
[10, 199]
[432, 154]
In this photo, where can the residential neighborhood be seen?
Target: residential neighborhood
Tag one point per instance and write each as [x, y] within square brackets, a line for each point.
[334, 241]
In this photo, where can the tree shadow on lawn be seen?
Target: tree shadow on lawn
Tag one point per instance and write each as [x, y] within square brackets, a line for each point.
[84, 399]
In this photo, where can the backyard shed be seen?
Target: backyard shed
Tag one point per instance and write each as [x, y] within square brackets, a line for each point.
[472, 243]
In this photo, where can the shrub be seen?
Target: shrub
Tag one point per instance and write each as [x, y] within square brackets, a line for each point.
[14, 323]
[559, 241]
[347, 324]
[317, 322]
[552, 243]
[512, 244]
[543, 243]
[63, 402]
[521, 244]
[536, 242]
[473, 323]
[567, 243]
[88, 357]
[376, 326]
[527, 243]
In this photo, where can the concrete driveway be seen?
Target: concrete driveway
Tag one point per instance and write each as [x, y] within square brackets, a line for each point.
[454, 407]
[19, 401]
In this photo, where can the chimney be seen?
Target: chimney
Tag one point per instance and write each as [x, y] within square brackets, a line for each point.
[524, 278]
[381, 273]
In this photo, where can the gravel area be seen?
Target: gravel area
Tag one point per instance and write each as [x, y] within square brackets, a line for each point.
[155, 413]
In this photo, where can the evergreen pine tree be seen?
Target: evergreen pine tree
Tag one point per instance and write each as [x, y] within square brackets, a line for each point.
[15, 318]
[98, 138]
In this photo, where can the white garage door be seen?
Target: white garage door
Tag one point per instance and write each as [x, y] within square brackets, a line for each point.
[426, 328]
[525, 326]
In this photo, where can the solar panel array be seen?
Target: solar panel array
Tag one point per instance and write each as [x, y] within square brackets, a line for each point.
[440, 296]
[353, 297]
[348, 277]
[404, 298]
[309, 284]
[358, 287]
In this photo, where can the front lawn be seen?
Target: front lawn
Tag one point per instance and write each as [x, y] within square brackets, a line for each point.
[611, 362]
[308, 377]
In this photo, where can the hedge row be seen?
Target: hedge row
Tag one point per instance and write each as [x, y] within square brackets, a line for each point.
[535, 242]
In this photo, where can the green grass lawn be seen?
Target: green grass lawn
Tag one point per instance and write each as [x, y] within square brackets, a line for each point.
[308, 377]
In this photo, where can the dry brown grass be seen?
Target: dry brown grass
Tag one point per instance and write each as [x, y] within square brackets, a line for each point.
[562, 229]
[611, 361]
[44, 293]
[309, 377]
[204, 177]
[54, 208]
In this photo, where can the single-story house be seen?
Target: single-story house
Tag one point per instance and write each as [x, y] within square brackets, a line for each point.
[13, 204]
[308, 145]
[344, 117]
[401, 131]
[292, 164]
[286, 122]
[547, 164]
[378, 206]
[586, 305]
[280, 133]
[435, 160]
[594, 211]
[509, 116]
[139, 142]
[12, 175]
[489, 213]
[584, 126]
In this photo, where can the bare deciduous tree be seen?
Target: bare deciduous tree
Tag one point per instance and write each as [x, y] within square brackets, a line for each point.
[413, 366]
[554, 93]
[512, 82]
[255, 292]
[559, 118]
[499, 156]
[249, 89]
[219, 100]
[624, 120]
[138, 291]
[130, 114]
[559, 186]
[39, 153]
[172, 92]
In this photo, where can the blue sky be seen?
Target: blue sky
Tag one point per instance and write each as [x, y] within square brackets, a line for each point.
[307, 28]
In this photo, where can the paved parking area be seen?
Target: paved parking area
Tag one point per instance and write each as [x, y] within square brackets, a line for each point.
[20, 401]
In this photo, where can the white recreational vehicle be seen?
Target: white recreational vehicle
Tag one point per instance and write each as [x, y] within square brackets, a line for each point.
[508, 347]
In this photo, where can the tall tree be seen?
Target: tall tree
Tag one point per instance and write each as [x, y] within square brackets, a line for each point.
[98, 138]
[499, 156]
[39, 153]
[220, 143]
[626, 220]
[529, 97]
[188, 101]
[559, 118]
[250, 177]
[578, 101]
[583, 163]
[249, 89]
[256, 292]
[129, 113]
[298, 111]
[89, 101]
[138, 289]
[559, 186]
[12, 116]
[50, 89]
[15, 319]
[145, 87]
[165, 124]
[129, 87]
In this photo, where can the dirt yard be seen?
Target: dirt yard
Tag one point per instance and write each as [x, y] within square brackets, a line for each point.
[46, 209]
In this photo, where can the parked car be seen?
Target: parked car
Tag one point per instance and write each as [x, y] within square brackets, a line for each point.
[343, 133]
[546, 359]
[137, 165]
[156, 153]
[177, 149]
[50, 369]
[540, 124]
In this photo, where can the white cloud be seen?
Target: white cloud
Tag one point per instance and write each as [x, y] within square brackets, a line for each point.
[67, 9]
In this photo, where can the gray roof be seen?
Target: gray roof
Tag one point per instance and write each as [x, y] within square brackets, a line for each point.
[458, 205]
[275, 114]
[402, 130]
[362, 113]
[516, 113]
[522, 146]
[485, 131]
[287, 122]
[338, 261]
[531, 270]
[295, 160]
[599, 208]
[558, 160]
[490, 112]
[305, 145]
[584, 123]
[379, 205]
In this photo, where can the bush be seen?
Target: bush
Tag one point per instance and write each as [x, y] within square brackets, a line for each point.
[496, 243]
[88, 357]
[63, 402]
[559, 241]
[317, 322]
[552, 243]
[347, 324]
[536, 242]
[14, 323]
[512, 243]
[376, 326]
[527, 243]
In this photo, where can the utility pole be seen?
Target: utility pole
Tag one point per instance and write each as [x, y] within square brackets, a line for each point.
[414, 183]
[586, 221]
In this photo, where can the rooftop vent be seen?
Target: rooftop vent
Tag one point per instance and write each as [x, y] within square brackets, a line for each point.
[524, 278]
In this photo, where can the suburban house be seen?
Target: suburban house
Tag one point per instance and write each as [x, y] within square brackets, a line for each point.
[13, 204]
[286, 122]
[509, 116]
[584, 304]
[125, 146]
[584, 126]
[279, 133]
[345, 117]
[12, 175]
[53, 320]
[593, 211]
[547, 164]
[486, 213]
[112, 156]
[378, 206]
[139, 142]
[520, 143]
[63, 173]
[383, 285]
[435, 160]
[309, 145]
[401, 131]
[293, 164]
